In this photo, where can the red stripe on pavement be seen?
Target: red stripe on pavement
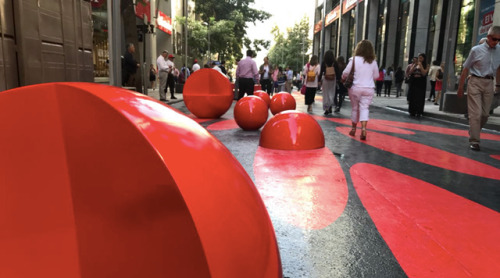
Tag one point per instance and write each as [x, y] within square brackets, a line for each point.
[434, 129]
[372, 126]
[426, 154]
[431, 232]
[305, 188]
[495, 156]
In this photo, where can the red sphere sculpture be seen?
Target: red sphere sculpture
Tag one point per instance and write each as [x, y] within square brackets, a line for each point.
[250, 113]
[292, 130]
[264, 96]
[282, 102]
[103, 182]
[208, 94]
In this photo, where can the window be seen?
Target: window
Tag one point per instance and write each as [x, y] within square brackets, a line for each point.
[464, 36]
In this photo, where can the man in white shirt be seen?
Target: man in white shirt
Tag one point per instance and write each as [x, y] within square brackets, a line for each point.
[196, 66]
[162, 73]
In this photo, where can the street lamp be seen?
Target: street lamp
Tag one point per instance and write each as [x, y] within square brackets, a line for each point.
[208, 32]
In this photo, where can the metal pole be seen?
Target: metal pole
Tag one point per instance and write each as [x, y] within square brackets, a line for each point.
[114, 35]
[186, 32]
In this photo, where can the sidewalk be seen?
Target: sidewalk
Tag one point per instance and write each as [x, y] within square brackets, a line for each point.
[392, 103]
[432, 111]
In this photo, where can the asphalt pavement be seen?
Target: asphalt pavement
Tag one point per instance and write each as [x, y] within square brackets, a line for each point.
[411, 201]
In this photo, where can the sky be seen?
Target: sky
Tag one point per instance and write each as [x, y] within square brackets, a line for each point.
[284, 13]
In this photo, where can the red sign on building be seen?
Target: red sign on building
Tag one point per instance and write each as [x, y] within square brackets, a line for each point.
[142, 8]
[332, 16]
[97, 3]
[164, 23]
[318, 26]
[349, 5]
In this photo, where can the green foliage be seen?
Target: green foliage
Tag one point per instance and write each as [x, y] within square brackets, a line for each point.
[227, 24]
[290, 50]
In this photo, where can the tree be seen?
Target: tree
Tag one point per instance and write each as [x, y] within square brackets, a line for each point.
[239, 13]
[290, 50]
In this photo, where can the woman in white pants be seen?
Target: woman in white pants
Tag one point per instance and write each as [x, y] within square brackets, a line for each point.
[361, 92]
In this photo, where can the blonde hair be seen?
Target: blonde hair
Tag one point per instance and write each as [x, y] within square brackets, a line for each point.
[365, 49]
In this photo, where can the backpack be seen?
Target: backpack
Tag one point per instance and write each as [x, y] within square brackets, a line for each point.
[330, 73]
[311, 74]
[439, 74]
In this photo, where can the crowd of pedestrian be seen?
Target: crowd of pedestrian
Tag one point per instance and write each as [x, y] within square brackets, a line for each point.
[366, 80]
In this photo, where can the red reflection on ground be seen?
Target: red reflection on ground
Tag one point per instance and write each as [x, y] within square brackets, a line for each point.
[431, 232]
[306, 188]
[426, 154]
[372, 126]
[223, 125]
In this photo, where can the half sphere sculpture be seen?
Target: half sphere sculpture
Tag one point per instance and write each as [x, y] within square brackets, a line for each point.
[99, 182]
[250, 113]
[281, 102]
[292, 130]
[208, 94]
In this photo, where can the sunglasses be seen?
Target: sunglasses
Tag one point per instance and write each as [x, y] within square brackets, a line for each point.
[495, 39]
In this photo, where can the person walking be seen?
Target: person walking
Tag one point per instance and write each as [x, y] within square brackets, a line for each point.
[328, 81]
[361, 93]
[130, 66]
[172, 75]
[439, 83]
[411, 63]
[311, 73]
[416, 94]
[265, 77]
[246, 73]
[432, 77]
[289, 79]
[481, 68]
[341, 90]
[380, 81]
[161, 64]
[399, 78]
[196, 66]
[152, 76]
[388, 77]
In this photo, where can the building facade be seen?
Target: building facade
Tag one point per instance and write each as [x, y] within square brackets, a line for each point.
[444, 30]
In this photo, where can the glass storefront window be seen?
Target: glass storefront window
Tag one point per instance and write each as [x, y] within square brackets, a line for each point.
[333, 37]
[380, 31]
[100, 41]
[432, 28]
[465, 32]
[352, 33]
[404, 10]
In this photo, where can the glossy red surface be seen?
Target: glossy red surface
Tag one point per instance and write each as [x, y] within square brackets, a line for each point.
[306, 188]
[263, 95]
[292, 130]
[281, 102]
[208, 94]
[250, 113]
[431, 231]
[102, 182]
[426, 154]
[257, 87]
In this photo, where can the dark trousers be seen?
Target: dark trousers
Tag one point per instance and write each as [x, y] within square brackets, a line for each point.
[432, 95]
[267, 86]
[387, 85]
[170, 84]
[378, 85]
[246, 85]
[310, 94]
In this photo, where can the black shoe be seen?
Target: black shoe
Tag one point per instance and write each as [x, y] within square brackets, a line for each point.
[330, 110]
[337, 109]
[326, 113]
[435, 103]
[475, 147]
[173, 97]
[163, 99]
[428, 99]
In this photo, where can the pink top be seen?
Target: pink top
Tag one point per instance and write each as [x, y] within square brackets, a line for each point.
[364, 73]
[247, 68]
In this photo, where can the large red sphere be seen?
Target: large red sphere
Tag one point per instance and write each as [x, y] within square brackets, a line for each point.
[208, 94]
[250, 113]
[282, 102]
[97, 175]
[292, 130]
[264, 96]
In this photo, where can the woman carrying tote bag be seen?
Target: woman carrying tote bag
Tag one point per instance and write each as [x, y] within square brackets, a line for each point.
[361, 92]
